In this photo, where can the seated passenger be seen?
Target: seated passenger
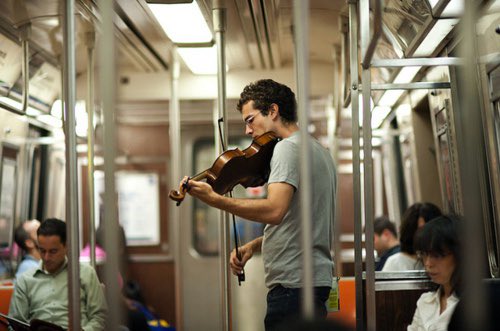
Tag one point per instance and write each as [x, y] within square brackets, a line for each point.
[385, 240]
[42, 293]
[414, 218]
[25, 238]
[438, 246]
[135, 303]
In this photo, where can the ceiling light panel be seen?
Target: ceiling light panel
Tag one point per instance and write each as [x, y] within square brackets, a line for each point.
[438, 32]
[200, 60]
[454, 8]
[183, 23]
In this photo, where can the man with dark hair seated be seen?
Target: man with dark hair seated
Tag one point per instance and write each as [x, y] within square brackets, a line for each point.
[25, 238]
[385, 240]
[42, 293]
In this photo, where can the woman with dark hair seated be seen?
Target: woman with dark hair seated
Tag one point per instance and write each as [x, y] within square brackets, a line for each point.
[414, 218]
[438, 246]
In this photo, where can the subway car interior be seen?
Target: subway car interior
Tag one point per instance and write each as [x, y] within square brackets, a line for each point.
[106, 105]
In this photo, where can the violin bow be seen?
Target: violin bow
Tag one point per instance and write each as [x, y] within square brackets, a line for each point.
[241, 276]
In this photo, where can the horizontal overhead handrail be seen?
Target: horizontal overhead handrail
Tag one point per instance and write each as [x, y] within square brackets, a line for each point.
[415, 62]
[412, 86]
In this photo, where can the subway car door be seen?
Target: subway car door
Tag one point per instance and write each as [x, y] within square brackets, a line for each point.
[200, 282]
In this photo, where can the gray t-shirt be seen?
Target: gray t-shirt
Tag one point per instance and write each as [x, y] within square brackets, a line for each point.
[281, 247]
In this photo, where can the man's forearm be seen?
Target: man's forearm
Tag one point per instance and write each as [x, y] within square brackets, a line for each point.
[256, 244]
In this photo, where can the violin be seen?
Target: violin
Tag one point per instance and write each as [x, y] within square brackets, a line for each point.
[250, 168]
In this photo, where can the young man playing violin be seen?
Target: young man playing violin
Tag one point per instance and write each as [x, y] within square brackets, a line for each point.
[270, 106]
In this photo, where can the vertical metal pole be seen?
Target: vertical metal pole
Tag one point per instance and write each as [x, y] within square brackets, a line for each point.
[344, 43]
[470, 136]
[90, 42]
[333, 111]
[358, 248]
[301, 24]
[25, 68]
[175, 167]
[364, 15]
[71, 167]
[107, 85]
[333, 103]
[28, 161]
[219, 17]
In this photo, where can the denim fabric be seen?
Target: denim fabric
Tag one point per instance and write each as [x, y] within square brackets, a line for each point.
[284, 304]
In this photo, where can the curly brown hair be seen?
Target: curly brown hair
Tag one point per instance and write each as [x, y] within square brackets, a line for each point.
[264, 93]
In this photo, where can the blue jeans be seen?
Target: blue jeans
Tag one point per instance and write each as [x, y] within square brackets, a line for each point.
[284, 304]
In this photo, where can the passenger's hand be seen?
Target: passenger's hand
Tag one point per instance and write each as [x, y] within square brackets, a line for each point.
[200, 190]
[246, 252]
[183, 185]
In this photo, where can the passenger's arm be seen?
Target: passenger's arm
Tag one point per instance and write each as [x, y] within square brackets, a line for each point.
[269, 210]
[96, 302]
[19, 303]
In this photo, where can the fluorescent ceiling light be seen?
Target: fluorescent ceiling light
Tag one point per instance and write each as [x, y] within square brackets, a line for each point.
[200, 60]
[438, 32]
[379, 113]
[403, 111]
[56, 109]
[389, 98]
[406, 75]
[183, 23]
[81, 119]
[454, 8]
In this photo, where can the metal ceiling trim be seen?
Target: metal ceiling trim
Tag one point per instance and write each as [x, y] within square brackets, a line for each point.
[257, 33]
[265, 19]
[125, 19]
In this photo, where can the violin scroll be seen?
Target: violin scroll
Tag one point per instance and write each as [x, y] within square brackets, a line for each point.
[178, 196]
